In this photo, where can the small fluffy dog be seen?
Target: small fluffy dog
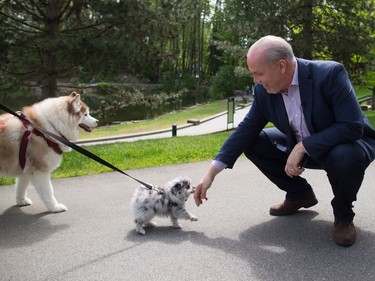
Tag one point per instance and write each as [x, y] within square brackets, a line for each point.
[162, 201]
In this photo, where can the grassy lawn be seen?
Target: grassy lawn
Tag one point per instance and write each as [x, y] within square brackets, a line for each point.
[162, 122]
[371, 117]
[362, 91]
[139, 154]
[143, 154]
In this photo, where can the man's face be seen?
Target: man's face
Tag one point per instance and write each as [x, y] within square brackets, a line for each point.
[271, 76]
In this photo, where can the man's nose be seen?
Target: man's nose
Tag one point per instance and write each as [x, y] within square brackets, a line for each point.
[257, 80]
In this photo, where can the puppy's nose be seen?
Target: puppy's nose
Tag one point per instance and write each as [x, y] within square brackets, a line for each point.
[192, 189]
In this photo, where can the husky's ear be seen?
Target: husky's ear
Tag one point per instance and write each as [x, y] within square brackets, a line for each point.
[76, 101]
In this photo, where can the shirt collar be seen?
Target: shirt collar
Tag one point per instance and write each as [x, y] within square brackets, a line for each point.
[295, 75]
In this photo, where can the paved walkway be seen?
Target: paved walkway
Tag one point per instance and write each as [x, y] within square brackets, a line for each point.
[234, 239]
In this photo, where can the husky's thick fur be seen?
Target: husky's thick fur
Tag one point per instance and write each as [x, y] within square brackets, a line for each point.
[61, 116]
[168, 201]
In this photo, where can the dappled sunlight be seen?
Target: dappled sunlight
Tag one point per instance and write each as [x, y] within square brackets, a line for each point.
[273, 249]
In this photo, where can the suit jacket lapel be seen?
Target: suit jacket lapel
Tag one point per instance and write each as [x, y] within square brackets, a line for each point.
[306, 93]
[279, 108]
[283, 125]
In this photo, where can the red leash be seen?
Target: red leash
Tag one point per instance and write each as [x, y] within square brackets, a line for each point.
[25, 140]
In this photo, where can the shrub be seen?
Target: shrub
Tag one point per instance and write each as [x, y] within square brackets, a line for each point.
[228, 79]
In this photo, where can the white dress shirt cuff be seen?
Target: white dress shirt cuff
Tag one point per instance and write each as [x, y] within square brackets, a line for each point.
[219, 165]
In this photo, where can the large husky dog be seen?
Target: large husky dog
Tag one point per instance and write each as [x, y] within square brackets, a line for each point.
[168, 201]
[31, 156]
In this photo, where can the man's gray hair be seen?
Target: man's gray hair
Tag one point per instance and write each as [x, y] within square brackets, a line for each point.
[275, 48]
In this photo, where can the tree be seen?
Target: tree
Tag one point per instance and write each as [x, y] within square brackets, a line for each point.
[340, 30]
[56, 39]
[44, 32]
[59, 39]
[46, 42]
[344, 31]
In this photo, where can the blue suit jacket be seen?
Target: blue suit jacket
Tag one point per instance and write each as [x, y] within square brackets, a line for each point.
[332, 114]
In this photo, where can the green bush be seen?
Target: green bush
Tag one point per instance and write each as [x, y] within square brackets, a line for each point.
[226, 81]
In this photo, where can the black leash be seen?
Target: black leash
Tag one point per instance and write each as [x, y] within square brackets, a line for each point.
[75, 147]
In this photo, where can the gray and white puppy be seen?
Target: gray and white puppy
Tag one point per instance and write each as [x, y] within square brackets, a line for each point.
[167, 201]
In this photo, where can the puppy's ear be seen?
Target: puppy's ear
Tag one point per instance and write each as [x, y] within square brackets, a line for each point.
[187, 183]
[177, 186]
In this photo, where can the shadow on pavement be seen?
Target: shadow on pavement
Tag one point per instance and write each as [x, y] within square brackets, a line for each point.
[19, 229]
[292, 247]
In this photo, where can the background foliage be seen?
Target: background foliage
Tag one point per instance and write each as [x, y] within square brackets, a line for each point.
[49, 47]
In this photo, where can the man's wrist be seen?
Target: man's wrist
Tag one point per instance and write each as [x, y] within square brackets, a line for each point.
[219, 166]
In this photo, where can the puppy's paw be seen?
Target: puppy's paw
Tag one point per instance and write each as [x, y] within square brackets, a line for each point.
[58, 208]
[177, 225]
[151, 224]
[193, 218]
[24, 202]
[140, 230]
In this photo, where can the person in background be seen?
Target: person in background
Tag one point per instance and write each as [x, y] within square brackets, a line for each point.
[318, 124]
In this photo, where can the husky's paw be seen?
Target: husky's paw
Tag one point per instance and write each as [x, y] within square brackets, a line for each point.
[193, 218]
[24, 202]
[58, 208]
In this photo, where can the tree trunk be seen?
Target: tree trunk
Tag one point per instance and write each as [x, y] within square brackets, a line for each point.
[49, 50]
[307, 29]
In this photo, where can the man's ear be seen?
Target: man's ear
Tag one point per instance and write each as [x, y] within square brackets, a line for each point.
[282, 65]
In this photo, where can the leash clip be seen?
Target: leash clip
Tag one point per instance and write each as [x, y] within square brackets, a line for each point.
[26, 123]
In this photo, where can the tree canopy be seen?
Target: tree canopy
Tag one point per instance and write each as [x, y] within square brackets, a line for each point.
[46, 42]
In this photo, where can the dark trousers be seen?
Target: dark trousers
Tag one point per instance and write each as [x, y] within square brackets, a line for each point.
[344, 164]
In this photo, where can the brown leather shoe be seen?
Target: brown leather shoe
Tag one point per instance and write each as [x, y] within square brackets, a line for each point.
[344, 233]
[289, 207]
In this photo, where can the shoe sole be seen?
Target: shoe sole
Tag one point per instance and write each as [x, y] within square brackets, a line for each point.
[344, 244]
[291, 213]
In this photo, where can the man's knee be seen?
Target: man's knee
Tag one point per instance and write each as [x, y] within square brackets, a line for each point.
[258, 147]
[346, 157]
[266, 147]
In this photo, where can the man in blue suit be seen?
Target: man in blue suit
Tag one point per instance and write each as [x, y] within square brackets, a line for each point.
[318, 124]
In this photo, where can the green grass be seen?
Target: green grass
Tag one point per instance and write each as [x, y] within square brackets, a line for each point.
[162, 122]
[362, 91]
[371, 117]
[143, 154]
[139, 154]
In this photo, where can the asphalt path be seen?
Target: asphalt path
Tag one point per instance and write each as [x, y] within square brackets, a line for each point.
[235, 238]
